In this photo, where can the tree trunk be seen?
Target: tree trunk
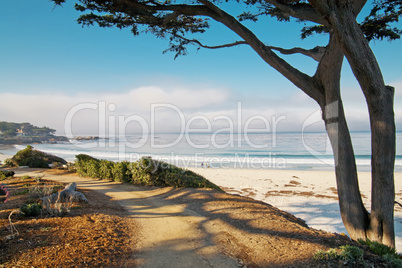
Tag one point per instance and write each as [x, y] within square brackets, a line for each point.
[325, 89]
[379, 99]
[354, 215]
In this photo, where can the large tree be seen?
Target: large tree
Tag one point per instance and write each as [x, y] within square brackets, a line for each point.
[178, 19]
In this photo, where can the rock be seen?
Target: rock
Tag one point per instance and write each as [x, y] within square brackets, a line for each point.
[68, 194]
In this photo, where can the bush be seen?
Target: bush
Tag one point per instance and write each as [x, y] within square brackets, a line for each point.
[145, 171]
[378, 248]
[346, 253]
[120, 171]
[105, 170]
[10, 163]
[393, 260]
[389, 254]
[6, 174]
[35, 159]
[31, 209]
[85, 158]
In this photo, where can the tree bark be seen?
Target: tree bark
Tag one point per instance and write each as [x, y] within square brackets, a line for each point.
[354, 215]
[379, 99]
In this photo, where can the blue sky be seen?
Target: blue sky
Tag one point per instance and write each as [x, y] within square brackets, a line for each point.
[49, 64]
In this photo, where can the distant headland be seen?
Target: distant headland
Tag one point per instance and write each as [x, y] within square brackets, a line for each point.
[26, 133]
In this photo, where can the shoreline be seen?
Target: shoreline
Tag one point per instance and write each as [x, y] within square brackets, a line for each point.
[6, 147]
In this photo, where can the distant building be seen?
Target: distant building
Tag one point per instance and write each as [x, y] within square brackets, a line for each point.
[20, 132]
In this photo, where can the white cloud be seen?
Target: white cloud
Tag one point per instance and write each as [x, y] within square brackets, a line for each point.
[212, 103]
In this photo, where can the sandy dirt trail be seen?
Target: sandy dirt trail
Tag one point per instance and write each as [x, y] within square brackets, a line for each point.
[170, 235]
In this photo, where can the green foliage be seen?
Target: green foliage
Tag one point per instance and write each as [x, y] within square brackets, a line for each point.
[120, 171]
[157, 173]
[9, 133]
[6, 174]
[9, 162]
[84, 157]
[105, 170]
[25, 177]
[346, 253]
[10, 129]
[392, 260]
[145, 171]
[31, 209]
[378, 24]
[351, 253]
[35, 159]
[378, 248]
[165, 19]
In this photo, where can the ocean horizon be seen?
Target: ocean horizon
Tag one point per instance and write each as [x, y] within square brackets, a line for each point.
[288, 150]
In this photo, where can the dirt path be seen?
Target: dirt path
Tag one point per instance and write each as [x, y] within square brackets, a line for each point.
[170, 234]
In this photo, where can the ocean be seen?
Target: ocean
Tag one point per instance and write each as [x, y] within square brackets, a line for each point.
[291, 151]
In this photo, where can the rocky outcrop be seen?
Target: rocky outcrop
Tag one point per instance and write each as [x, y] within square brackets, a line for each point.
[32, 140]
[88, 138]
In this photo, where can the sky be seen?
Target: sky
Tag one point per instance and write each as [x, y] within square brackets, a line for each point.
[55, 73]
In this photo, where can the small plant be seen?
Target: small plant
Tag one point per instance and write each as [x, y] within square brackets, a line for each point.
[351, 253]
[377, 248]
[348, 253]
[389, 254]
[31, 209]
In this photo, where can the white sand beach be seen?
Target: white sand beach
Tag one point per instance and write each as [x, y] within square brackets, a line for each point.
[309, 195]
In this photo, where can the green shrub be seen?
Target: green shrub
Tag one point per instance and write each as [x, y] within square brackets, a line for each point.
[35, 159]
[84, 157]
[393, 260]
[31, 209]
[6, 174]
[105, 170]
[92, 168]
[378, 248]
[145, 171]
[346, 253]
[351, 253]
[138, 174]
[25, 177]
[10, 163]
[389, 254]
[119, 171]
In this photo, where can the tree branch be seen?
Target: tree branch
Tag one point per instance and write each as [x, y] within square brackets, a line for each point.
[302, 12]
[316, 53]
[212, 47]
[298, 78]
